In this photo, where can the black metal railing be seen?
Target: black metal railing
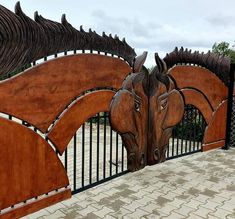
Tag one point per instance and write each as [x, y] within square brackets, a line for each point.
[232, 127]
[187, 136]
[94, 155]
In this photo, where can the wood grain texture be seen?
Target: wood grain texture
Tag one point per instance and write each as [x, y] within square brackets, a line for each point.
[83, 109]
[197, 99]
[216, 129]
[214, 145]
[41, 93]
[36, 204]
[201, 79]
[28, 165]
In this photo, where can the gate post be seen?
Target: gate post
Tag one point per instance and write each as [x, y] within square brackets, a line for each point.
[230, 108]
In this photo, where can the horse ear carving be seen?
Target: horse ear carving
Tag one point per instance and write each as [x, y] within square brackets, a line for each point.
[175, 110]
[139, 61]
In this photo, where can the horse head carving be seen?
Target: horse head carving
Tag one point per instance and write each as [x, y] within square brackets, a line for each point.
[144, 112]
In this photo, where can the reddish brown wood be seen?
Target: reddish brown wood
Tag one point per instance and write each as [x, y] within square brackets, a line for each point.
[84, 108]
[139, 62]
[197, 99]
[28, 165]
[41, 93]
[216, 129]
[214, 145]
[36, 204]
[203, 80]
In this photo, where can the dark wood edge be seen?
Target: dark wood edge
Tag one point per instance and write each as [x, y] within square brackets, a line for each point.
[214, 145]
[36, 205]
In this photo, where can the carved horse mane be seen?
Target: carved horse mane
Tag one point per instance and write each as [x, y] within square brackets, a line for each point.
[218, 64]
[23, 40]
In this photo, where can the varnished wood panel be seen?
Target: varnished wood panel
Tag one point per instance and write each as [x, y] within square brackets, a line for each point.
[198, 100]
[28, 165]
[214, 145]
[41, 93]
[36, 204]
[216, 129]
[84, 108]
[202, 79]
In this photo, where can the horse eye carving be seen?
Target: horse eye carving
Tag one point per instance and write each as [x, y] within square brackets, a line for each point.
[163, 104]
[137, 106]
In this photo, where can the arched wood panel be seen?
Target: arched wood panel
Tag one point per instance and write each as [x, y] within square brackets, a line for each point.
[41, 93]
[216, 129]
[84, 108]
[201, 79]
[28, 165]
[197, 99]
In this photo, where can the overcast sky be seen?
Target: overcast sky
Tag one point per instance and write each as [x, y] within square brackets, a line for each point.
[150, 25]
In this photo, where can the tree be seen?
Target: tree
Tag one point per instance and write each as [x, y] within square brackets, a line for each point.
[223, 48]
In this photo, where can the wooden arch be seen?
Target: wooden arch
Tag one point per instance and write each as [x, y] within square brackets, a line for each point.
[208, 92]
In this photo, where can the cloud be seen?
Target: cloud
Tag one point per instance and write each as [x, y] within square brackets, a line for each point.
[221, 20]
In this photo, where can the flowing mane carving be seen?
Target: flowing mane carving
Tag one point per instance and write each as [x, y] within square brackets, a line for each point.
[219, 65]
[23, 40]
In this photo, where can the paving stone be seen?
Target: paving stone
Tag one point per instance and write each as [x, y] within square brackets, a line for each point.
[103, 212]
[202, 212]
[220, 213]
[184, 210]
[137, 214]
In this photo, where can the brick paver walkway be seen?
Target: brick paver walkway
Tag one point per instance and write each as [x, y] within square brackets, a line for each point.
[197, 186]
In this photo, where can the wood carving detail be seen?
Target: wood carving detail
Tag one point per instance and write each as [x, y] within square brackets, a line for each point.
[75, 116]
[148, 103]
[28, 165]
[41, 93]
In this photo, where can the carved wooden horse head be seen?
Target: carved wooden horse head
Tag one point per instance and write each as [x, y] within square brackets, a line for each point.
[144, 112]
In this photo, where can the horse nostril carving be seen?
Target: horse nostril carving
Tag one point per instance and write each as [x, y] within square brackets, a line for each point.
[142, 159]
[156, 154]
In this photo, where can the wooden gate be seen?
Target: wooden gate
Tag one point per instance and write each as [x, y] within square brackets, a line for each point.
[79, 75]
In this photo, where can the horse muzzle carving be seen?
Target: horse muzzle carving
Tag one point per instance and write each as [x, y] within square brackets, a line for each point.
[144, 113]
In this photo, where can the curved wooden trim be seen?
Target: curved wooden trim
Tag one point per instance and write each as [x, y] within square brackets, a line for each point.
[216, 129]
[201, 79]
[36, 204]
[214, 145]
[84, 108]
[29, 166]
[198, 100]
[41, 93]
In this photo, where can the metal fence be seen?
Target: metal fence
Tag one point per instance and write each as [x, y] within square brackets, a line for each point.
[187, 136]
[232, 128]
[96, 153]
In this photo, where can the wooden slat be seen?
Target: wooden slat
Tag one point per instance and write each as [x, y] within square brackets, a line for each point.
[28, 165]
[83, 109]
[36, 205]
[41, 93]
[214, 145]
[198, 100]
[216, 129]
[201, 79]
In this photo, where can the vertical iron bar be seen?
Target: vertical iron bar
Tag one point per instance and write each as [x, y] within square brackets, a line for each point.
[195, 130]
[173, 144]
[116, 152]
[122, 157]
[111, 152]
[177, 143]
[83, 153]
[66, 159]
[98, 149]
[183, 133]
[186, 143]
[201, 128]
[90, 158]
[190, 134]
[74, 160]
[104, 163]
